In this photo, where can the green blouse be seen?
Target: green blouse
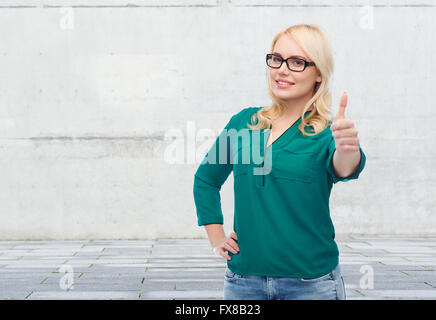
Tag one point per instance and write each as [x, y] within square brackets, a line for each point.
[281, 197]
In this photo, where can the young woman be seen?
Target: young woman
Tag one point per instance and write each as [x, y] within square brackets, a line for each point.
[283, 246]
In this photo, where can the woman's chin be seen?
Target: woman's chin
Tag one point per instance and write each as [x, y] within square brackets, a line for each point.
[285, 96]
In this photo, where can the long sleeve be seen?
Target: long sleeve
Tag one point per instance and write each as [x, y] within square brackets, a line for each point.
[210, 176]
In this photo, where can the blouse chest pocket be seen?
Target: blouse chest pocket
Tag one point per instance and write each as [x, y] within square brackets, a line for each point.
[294, 165]
[241, 161]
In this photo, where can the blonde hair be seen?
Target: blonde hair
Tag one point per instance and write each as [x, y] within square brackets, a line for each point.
[314, 43]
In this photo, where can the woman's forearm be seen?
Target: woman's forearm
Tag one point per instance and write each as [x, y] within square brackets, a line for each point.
[215, 232]
[345, 164]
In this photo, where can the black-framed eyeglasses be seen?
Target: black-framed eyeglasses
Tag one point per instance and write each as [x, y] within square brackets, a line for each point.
[293, 63]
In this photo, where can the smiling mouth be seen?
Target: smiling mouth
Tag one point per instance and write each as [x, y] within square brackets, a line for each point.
[284, 84]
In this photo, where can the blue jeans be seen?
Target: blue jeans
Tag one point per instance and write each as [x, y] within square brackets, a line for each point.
[328, 287]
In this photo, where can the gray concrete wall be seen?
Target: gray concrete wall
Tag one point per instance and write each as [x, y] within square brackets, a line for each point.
[91, 94]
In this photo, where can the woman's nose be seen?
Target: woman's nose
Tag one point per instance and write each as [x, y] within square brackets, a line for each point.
[284, 68]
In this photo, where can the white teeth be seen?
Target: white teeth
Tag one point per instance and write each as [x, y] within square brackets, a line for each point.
[283, 82]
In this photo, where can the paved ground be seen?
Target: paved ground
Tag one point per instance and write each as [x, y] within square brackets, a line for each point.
[401, 268]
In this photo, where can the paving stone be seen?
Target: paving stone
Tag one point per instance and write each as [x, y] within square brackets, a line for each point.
[377, 278]
[186, 265]
[185, 275]
[129, 247]
[92, 249]
[37, 254]
[409, 255]
[420, 275]
[216, 279]
[23, 275]
[49, 247]
[358, 246]
[395, 285]
[182, 251]
[407, 242]
[88, 286]
[406, 263]
[125, 278]
[84, 295]
[423, 260]
[185, 260]
[60, 267]
[122, 242]
[356, 254]
[12, 252]
[431, 282]
[363, 259]
[32, 263]
[8, 260]
[46, 266]
[148, 286]
[87, 254]
[25, 282]
[45, 258]
[350, 294]
[113, 275]
[59, 251]
[190, 241]
[203, 285]
[183, 295]
[141, 262]
[183, 285]
[128, 268]
[164, 255]
[123, 257]
[26, 270]
[14, 293]
[400, 294]
[405, 250]
[397, 267]
[76, 269]
[82, 262]
[103, 268]
[135, 251]
[135, 266]
[55, 278]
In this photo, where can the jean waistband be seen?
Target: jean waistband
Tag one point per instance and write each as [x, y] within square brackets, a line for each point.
[337, 271]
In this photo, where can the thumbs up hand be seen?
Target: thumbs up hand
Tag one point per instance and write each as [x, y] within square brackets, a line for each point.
[343, 130]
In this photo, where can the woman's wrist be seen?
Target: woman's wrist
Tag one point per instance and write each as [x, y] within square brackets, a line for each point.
[216, 234]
